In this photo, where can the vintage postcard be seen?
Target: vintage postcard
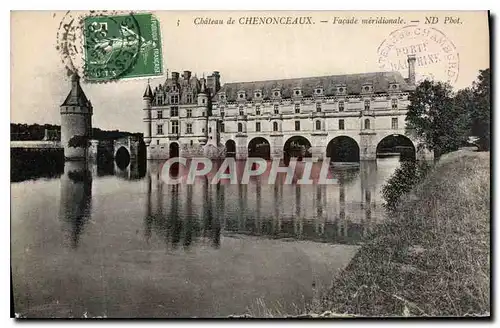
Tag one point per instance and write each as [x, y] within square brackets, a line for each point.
[234, 164]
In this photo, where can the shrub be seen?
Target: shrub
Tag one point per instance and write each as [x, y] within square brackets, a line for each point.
[402, 181]
[79, 142]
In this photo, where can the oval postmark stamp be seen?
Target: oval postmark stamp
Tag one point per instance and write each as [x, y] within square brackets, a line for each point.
[436, 55]
[106, 46]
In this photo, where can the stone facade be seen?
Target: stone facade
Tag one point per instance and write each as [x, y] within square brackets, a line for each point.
[76, 122]
[186, 117]
[176, 117]
[76, 131]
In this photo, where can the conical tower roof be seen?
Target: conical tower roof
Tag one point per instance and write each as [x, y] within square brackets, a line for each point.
[76, 96]
[148, 93]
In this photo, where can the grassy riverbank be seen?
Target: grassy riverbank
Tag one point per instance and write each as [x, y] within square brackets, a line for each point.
[433, 257]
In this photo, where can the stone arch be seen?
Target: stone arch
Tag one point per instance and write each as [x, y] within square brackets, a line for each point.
[343, 149]
[230, 148]
[259, 147]
[173, 150]
[397, 144]
[122, 157]
[297, 146]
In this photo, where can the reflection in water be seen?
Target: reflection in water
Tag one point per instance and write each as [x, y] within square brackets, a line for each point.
[182, 214]
[105, 167]
[198, 213]
[76, 190]
[27, 164]
[135, 170]
[183, 219]
[145, 248]
[340, 213]
[76, 198]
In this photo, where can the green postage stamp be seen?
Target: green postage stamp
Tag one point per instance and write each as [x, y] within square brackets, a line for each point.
[121, 46]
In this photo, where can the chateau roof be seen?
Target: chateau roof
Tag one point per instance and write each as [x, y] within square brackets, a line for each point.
[148, 93]
[192, 83]
[352, 82]
[76, 96]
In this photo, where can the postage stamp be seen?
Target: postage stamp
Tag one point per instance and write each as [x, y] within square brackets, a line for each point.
[433, 50]
[106, 46]
[121, 46]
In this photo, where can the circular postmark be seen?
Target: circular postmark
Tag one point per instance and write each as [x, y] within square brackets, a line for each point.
[100, 47]
[68, 43]
[436, 57]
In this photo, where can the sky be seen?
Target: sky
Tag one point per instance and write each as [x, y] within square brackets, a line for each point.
[39, 82]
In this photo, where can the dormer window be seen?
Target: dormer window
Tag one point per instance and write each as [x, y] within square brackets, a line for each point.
[394, 87]
[367, 104]
[341, 90]
[241, 95]
[276, 93]
[318, 107]
[341, 106]
[394, 103]
[222, 97]
[367, 88]
[318, 91]
[257, 94]
[297, 92]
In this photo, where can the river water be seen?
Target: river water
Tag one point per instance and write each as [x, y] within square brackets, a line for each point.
[110, 242]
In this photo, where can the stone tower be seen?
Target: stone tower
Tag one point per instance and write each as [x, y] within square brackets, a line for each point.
[76, 122]
[202, 113]
[147, 99]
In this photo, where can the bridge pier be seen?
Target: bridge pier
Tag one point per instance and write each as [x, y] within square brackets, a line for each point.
[318, 152]
[276, 146]
[368, 146]
[241, 147]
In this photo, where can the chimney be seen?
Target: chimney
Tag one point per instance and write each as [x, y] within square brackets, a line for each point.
[213, 82]
[411, 69]
[175, 76]
[186, 75]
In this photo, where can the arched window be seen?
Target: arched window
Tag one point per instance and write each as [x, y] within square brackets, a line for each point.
[367, 124]
[318, 125]
[275, 126]
[240, 127]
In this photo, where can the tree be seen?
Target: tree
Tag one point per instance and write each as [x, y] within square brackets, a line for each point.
[481, 109]
[434, 117]
[401, 182]
[79, 142]
[464, 101]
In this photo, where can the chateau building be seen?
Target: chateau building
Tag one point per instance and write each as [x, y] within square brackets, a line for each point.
[344, 117]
